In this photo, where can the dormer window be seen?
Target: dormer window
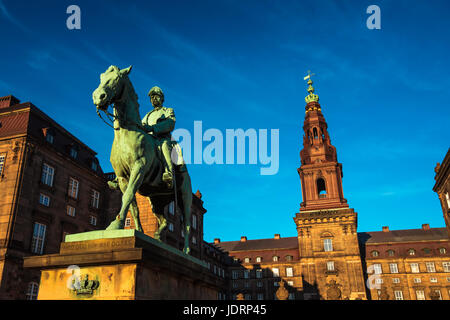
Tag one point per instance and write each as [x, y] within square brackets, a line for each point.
[49, 134]
[50, 137]
[94, 165]
[73, 152]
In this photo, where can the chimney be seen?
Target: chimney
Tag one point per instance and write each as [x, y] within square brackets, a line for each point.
[425, 226]
[385, 229]
[216, 240]
[8, 101]
[277, 236]
[243, 238]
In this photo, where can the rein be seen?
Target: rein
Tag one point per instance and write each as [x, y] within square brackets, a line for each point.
[108, 114]
[113, 117]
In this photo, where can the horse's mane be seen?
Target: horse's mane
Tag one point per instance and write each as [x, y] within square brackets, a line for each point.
[132, 93]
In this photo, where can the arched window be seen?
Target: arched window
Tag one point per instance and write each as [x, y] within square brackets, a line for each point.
[411, 252]
[275, 258]
[321, 188]
[375, 253]
[391, 253]
[328, 244]
[315, 133]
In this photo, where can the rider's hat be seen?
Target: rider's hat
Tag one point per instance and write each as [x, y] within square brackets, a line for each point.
[156, 90]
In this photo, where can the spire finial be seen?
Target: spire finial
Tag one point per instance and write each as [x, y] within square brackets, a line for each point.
[311, 97]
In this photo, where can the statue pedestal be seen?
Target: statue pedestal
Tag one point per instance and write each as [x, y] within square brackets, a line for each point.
[121, 264]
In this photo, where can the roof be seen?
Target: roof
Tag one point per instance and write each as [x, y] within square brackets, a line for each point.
[408, 235]
[259, 244]
[13, 123]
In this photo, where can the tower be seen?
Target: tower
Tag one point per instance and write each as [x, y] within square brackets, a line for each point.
[320, 173]
[327, 237]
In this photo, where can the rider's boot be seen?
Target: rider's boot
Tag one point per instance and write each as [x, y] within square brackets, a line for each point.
[168, 179]
[168, 168]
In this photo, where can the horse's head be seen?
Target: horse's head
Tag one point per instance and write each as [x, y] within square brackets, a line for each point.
[111, 86]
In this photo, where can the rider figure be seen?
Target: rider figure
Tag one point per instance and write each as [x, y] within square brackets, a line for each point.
[160, 122]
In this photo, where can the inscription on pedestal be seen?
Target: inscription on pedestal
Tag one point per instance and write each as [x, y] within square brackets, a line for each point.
[97, 245]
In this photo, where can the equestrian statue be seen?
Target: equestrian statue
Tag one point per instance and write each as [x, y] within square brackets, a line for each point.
[143, 155]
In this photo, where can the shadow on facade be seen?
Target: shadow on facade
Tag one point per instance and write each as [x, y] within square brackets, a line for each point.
[257, 283]
[362, 239]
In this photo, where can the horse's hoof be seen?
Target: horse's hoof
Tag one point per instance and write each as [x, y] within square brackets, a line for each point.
[115, 225]
[114, 185]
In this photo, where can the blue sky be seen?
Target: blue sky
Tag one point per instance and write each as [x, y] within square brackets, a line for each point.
[240, 64]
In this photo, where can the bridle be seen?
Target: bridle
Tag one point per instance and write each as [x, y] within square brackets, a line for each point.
[112, 117]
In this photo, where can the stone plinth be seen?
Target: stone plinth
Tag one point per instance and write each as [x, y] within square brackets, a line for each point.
[121, 264]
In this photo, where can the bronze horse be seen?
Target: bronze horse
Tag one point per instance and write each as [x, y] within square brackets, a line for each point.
[134, 157]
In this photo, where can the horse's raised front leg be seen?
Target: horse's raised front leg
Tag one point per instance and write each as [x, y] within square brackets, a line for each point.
[128, 189]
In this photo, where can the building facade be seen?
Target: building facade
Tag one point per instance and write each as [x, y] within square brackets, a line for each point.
[442, 187]
[51, 184]
[409, 264]
[329, 259]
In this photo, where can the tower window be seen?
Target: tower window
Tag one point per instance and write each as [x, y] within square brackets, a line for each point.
[321, 189]
[315, 133]
[328, 245]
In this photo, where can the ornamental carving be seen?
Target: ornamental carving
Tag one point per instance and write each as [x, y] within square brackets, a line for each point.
[240, 296]
[333, 291]
[282, 293]
[85, 286]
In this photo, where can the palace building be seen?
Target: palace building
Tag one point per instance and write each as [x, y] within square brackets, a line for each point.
[329, 259]
[51, 184]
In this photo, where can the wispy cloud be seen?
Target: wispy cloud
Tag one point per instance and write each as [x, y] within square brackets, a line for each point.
[11, 18]
[184, 51]
[41, 60]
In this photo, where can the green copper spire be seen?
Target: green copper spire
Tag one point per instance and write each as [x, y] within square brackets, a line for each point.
[311, 97]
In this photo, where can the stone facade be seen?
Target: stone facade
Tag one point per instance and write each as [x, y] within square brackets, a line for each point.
[48, 182]
[122, 265]
[408, 264]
